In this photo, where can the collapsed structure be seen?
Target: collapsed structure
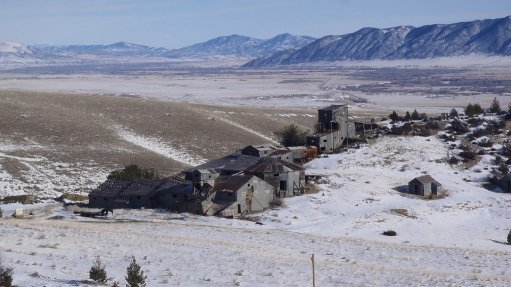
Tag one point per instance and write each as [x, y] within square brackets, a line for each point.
[246, 181]
[239, 183]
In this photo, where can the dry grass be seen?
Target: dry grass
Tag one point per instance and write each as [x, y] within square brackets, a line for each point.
[79, 129]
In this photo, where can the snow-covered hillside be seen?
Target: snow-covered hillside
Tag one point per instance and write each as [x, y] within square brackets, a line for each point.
[451, 241]
[361, 198]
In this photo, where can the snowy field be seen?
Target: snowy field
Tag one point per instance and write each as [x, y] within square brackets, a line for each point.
[453, 241]
[400, 84]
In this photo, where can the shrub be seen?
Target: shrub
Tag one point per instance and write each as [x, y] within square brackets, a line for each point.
[276, 202]
[485, 142]
[97, 272]
[509, 237]
[133, 172]
[389, 233]
[458, 127]
[291, 135]
[135, 275]
[495, 106]
[506, 150]
[425, 132]
[5, 274]
[503, 168]
[494, 127]
[474, 122]
[467, 153]
[479, 132]
[433, 124]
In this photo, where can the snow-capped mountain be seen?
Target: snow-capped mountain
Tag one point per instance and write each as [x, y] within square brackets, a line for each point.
[15, 48]
[120, 49]
[486, 37]
[241, 46]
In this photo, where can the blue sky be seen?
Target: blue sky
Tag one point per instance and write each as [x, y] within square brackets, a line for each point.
[177, 23]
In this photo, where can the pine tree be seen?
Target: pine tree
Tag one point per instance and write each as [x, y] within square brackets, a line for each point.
[469, 110]
[415, 115]
[495, 106]
[477, 109]
[135, 275]
[5, 275]
[394, 116]
[453, 114]
[407, 116]
[292, 135]
[97, 272]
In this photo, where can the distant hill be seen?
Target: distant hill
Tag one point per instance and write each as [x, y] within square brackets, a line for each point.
[486, 37]
[233, 46]
[120, 49]
[241, 46]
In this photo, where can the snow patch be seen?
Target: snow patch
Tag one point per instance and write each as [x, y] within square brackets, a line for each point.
[159, 146]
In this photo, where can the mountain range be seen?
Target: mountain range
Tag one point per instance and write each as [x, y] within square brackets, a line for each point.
[486, 37]
[233, 46]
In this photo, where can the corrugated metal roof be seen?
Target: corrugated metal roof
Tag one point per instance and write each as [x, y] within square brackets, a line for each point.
[110, 188]
[233, 163]
[142, 187]
[426, 179]
[272, 164]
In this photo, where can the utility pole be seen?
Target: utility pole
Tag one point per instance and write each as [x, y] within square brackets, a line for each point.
[313, 274]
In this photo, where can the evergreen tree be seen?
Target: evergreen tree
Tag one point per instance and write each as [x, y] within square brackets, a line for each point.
[292, 136]
[469, 110]
[97, 272]
[5, 275]
[477, 109]
[407, 116]
[135, 275]
[133, 172]
[509, 237]
[495, 106]
[415, 115]
[453, 113]
[394, 116]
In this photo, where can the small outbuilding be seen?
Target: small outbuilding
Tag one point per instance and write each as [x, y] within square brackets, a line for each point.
[424, 185]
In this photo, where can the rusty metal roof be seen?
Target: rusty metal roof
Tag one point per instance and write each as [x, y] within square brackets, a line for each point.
[231, 183]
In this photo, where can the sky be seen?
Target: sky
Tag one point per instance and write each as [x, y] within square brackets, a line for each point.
[179, 23]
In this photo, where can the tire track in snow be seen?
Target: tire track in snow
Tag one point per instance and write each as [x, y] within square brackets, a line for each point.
[158, 146]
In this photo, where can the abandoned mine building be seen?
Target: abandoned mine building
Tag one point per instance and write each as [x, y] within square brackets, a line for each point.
[239, 194]
[332, 129]
[424, 185]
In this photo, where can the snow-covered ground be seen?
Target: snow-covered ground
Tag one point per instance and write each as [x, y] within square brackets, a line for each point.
[43, 177]
[457, 240]
[159, 146]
